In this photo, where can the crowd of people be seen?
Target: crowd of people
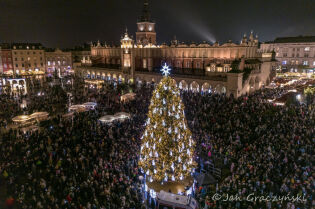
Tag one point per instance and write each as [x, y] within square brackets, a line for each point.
[268, 149]
[80, 163]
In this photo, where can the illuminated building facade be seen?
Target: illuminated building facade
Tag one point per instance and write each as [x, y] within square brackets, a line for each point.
[198, 67]
[28, 59]
[294, 54]
[6, 65]
[59, 61]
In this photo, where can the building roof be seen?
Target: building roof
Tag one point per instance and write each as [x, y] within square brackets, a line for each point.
[297, 39]
[5, 46]
[26, 46]
[145, 16]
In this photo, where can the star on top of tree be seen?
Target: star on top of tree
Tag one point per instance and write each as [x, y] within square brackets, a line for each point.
[165, 70]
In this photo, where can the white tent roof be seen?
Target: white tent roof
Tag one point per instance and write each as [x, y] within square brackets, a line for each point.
[90, 104]
[39, 115]
[118, 116]
[107, 119]
[21, 118]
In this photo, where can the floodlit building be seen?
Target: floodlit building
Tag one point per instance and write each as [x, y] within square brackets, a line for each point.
[231, 68]
[59, 61]
[28, 58]
[294, 54]
[6, 65]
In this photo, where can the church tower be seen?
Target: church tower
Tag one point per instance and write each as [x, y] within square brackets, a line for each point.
[146, 27]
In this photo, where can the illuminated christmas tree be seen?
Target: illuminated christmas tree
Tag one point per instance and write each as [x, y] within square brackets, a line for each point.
[167, 145]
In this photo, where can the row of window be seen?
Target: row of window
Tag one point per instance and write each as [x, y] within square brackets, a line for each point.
[27, 53]
[306, 49]
[49, 63]
[295, 55]
[28, 59]
[296, 62]
[6, 66]
[29, 65]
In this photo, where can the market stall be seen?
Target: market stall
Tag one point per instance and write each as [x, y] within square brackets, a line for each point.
[128, 97]
[90, 105]
[39, 116]
[77, 108]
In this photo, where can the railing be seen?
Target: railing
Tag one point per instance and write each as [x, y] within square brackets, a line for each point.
[216, 172]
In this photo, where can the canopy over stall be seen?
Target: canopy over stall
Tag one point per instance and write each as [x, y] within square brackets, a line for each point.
[77, 108]
[90, 105]
[21, 119]
[127, 97]
[121, 116]
[39, 116]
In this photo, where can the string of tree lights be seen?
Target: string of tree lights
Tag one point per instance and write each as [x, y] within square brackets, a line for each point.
[167, 145]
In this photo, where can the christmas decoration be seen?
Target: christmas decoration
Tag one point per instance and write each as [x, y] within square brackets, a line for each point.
[167, 145]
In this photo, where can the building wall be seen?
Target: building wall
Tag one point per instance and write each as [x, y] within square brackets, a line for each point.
[6, 60]
[176, 56]
[59, 60]
[1, 67]
[28, 59]
[292, 56]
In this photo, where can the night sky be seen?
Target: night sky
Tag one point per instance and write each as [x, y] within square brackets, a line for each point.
[65, 23]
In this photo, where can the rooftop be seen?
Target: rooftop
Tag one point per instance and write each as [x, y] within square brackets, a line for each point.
[297, 39]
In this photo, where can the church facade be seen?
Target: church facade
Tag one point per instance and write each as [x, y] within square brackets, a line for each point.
[228, 68]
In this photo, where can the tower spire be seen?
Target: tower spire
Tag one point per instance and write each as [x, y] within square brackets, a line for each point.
[146, 16]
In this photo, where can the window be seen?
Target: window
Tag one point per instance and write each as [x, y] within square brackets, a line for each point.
[296, 62]
[144, 63]
[298, 49]
[5, 65]
[22, 64]
[41, 58]
[58, 62]
[22, 59]
[14, 52]
[305, 55]
[188, 64]
[285, 54]
[284, 62]
[307, 49]
[293, 49]
[28, 59]
[178, 63]
[41, 64]
[34, 52]
[314, 63]
[16, 65]
[297, 55]
[305, 62]
[293, 55]
[48, 63]
[198, 65]
[15, 59]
